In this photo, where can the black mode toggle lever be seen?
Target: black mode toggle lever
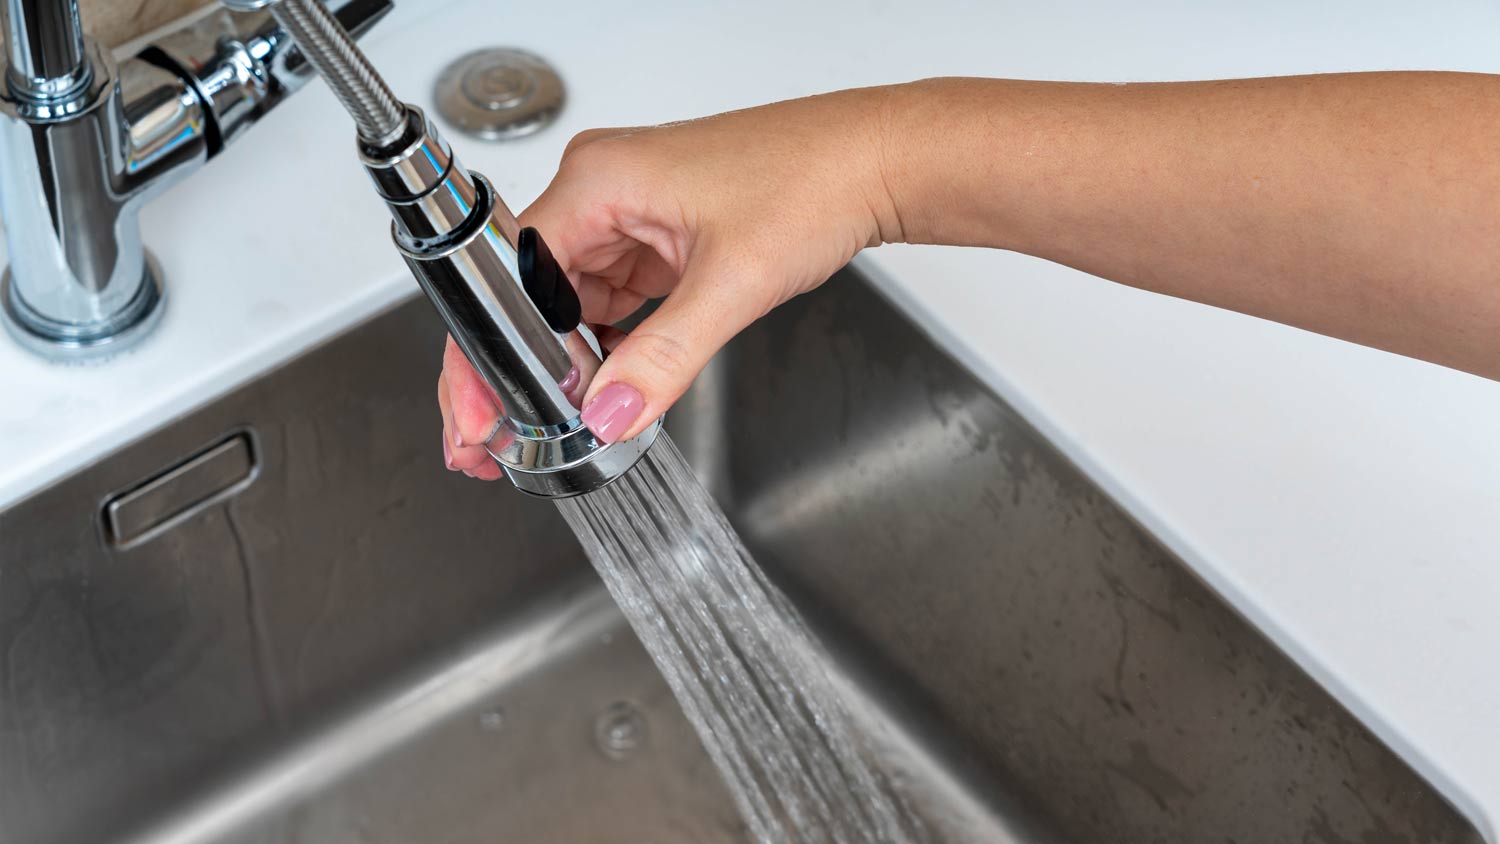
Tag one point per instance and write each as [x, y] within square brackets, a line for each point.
[546, 283]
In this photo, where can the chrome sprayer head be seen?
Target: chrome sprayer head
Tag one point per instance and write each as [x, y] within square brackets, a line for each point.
[509, 307]
[502, 295]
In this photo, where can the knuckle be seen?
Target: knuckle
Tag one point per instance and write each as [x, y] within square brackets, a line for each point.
[662, 354]
[587, 159]
[588, 139]
[618, 156]
[578, 142]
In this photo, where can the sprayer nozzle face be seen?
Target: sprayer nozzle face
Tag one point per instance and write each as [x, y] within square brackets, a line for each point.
[602, 465]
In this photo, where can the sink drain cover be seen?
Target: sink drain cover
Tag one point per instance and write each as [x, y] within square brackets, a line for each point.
[499, 93]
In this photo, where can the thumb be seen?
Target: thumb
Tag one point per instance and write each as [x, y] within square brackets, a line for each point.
[657, 362]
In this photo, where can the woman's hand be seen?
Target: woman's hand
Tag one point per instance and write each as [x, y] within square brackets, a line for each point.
[1363, 206]
[727, 217]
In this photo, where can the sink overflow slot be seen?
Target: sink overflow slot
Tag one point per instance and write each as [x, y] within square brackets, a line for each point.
[205, 478]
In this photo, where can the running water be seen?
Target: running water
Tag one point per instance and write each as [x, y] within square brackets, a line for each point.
[749, 675]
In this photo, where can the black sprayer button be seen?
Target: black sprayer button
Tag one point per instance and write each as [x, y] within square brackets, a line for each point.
[546, 284]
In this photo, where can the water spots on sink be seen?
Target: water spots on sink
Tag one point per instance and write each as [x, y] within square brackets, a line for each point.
[492, 720]
[620, 730]
[263, 661]
[1324, 830]
[1160, 784]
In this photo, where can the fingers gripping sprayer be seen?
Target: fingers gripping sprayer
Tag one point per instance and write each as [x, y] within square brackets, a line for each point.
[505, 300]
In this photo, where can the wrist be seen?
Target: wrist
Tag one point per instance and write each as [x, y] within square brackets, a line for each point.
[942, 163]
[898, 162]
[920, 130]
[883, 135]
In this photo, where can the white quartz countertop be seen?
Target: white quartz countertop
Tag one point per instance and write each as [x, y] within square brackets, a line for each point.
[1347, 500]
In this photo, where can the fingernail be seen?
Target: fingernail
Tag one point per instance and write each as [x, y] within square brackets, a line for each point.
[447, 454]
[458, 439]
[612, 412]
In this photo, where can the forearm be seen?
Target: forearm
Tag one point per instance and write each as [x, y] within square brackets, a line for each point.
[1363, 206]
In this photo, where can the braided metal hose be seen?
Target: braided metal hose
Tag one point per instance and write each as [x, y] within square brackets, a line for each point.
[378, 115]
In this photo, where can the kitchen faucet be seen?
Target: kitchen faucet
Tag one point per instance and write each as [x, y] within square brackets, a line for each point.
[85, 141]
[505, 299]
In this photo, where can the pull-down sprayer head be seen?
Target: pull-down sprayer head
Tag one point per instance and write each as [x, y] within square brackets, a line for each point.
[505, 300]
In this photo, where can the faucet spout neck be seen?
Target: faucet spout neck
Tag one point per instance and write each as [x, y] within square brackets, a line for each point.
[44, 44]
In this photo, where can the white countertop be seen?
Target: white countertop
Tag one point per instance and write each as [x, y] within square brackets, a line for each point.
[1347, 500]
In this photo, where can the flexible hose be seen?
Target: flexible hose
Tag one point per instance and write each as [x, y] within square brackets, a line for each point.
[378, 115]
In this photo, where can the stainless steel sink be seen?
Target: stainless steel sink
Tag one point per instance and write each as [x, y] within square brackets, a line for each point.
[325, 637]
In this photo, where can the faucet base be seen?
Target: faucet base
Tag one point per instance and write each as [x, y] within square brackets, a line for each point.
[73, 342]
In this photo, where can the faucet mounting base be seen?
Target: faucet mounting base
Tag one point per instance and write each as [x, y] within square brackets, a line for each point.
[72, 342]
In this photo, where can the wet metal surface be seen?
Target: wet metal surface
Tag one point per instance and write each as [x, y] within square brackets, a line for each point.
[360, 647]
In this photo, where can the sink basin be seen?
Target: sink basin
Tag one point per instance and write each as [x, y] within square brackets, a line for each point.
[329, 638]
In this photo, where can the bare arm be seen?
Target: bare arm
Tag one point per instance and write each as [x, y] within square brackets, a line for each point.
[1363, 206]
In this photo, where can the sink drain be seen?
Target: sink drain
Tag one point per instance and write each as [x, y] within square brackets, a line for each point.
[499, 93]
[620, 730]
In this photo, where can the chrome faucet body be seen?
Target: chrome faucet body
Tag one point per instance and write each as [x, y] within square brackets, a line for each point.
[86, 141]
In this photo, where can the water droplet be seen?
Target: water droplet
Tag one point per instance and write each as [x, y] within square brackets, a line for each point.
[620, 730]
[492, 719]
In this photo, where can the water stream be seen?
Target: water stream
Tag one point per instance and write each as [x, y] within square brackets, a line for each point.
[749, 675]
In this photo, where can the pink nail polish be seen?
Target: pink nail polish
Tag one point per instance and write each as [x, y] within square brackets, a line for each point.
[613, 411]
[447, 454]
